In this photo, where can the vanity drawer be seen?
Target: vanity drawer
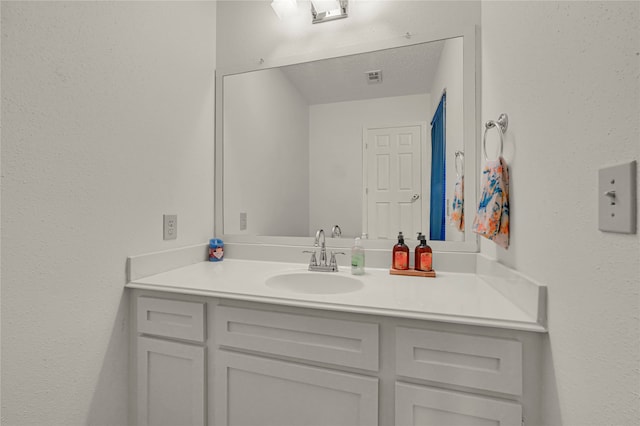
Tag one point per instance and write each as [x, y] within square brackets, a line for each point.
[479, 362]
[331, 341]
[171, 318]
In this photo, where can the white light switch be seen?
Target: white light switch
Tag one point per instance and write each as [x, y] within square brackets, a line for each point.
[617, 203]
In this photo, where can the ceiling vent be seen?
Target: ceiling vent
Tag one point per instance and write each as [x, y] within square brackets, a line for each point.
[374, 77]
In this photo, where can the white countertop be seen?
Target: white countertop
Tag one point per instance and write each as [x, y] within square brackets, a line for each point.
[450, 297]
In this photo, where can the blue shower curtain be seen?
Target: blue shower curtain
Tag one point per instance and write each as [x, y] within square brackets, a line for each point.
[438, 172]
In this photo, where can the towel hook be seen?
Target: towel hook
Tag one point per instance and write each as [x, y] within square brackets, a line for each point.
[501, 125]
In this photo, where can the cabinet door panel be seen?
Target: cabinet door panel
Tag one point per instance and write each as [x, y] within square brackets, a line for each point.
[425, 406]
[259, 391]
[171, 383]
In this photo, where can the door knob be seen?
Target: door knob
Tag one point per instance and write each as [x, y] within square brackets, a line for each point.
[415, 197]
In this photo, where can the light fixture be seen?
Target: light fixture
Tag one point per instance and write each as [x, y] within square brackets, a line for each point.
[284, 8]
[328, 10]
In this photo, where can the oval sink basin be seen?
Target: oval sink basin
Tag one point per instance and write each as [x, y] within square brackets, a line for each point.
[314, 283]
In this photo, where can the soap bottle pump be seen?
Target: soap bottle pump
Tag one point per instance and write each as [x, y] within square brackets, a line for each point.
[423, 255]
[400, 254]
[357, 258]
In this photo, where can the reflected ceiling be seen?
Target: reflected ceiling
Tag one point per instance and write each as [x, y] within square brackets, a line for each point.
[345, 79]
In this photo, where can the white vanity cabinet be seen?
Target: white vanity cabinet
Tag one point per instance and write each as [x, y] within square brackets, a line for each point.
[170, 362]
[271, 364]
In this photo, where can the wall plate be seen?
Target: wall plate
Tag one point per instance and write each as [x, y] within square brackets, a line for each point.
[617, 198]
[170, 227]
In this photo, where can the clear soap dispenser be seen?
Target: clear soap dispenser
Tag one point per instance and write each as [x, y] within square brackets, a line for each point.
[357, 258]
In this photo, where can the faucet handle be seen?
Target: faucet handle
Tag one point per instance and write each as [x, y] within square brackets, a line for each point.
[312, 261]
[333, 261]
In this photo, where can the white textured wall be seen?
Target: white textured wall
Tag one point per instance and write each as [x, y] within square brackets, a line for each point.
[335, 154]
[449, 76]
[1, 228]
[266, 116]
[107, 123]
[250, 30]
[568, 75]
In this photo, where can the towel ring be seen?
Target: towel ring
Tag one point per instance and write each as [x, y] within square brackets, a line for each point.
[459, 156]
[501, 125]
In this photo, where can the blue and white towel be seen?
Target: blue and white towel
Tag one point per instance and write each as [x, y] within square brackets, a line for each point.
[492, 217]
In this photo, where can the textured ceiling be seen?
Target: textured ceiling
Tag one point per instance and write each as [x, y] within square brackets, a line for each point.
[405, 70]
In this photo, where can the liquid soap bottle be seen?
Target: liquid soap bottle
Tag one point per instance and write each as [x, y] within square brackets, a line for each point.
[400, 254]
[357, 258]
[423, 255]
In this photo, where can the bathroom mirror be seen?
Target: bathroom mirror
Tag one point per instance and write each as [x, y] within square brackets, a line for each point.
[347, 138]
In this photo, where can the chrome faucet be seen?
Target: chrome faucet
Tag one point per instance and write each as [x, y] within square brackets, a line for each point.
[336, 232]
[320, 264]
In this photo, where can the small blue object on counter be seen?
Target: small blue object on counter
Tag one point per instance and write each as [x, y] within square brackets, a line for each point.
[216, 250]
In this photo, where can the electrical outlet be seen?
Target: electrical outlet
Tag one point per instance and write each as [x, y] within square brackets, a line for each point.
[243, 221]
[617, 202]
[170, 227]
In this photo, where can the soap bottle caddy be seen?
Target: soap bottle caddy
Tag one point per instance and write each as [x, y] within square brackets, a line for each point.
[423, 259]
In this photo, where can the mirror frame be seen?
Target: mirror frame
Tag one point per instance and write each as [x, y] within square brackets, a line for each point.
[471, 111]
